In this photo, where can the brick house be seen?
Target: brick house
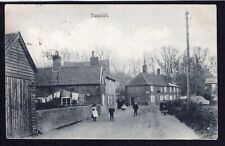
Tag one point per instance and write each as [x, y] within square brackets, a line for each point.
[19, 90]
[148, 88]
[89, 79]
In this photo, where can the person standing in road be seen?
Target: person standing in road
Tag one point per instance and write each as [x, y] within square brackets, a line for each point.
[111, 113]
[135, 107]
[94, 113]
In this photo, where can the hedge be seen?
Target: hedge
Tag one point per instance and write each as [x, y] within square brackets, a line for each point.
[202, 118]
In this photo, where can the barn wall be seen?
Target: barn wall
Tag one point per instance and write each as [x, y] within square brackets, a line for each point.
[17, 64]
[19, 94]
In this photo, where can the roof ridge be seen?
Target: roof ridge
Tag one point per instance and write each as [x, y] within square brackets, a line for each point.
[89, 66]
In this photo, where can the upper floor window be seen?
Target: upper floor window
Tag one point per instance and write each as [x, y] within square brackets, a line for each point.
[164, 89]
[174, 89]
[170, 89]
[152, 89]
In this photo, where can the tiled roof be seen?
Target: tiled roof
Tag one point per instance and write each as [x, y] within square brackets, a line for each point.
[82, 75]
[148, 79]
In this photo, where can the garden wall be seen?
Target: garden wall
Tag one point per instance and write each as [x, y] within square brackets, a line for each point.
[55, 118]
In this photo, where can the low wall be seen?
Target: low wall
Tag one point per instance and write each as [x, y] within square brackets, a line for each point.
[55, 118]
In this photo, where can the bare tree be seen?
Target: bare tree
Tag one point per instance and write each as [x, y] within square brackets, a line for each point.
[169, 61]
[119, 67]
[135, 66]
[150, 61]
[103, 54]
[213, 65]
[199, 69]
[65, 54]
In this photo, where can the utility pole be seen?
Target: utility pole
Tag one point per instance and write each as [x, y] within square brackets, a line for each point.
[188, 62]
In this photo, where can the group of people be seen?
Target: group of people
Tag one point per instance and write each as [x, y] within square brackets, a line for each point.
[111, 111]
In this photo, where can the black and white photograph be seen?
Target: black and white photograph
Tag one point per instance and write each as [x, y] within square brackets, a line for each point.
[111, 71]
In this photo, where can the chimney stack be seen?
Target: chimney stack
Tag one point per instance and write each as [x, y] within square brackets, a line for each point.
[94, 60]
[158, 71]
[144, 66]
[56, 61]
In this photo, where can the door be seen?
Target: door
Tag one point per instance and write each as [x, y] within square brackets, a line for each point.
[17, 107]
[132, 100]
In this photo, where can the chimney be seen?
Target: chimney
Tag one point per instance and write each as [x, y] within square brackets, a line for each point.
[93, 54]
[144, 66]
[56, 61]
[158, 71]
[94, 60]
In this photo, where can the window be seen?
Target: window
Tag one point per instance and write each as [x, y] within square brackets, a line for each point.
[39, 100]
[161, 88]
[152, 89]
[164, 89]
[161, 97]
[174, 89]
[166, 97]
[171, 98]
[177, 89]
[170, 89]
[66, 101]
[152, 98]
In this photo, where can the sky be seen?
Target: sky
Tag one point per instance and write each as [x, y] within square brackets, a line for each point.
[129, 31]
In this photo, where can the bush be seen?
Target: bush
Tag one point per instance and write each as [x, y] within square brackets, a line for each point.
[200, 117]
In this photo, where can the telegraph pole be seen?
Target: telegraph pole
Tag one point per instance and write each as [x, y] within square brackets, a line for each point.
[188, 62]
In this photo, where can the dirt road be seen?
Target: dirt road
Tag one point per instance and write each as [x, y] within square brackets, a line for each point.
[149, 124]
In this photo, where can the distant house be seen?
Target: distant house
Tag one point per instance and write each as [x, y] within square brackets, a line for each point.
[148, 88]
[90, 80]
[211, 84]
[19, 93]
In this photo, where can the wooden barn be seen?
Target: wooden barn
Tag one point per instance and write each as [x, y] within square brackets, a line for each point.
[19, 90]
[148, 88]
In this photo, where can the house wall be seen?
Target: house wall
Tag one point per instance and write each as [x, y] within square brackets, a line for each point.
[19, 93]
[148, 94]
[110, 92]
[139, 93]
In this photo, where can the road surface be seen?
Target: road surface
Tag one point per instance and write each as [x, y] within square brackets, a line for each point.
[149, 124]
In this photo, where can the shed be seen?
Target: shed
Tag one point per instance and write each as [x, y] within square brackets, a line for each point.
[19, 90]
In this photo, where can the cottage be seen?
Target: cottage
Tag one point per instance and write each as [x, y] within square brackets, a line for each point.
[91, 80]
[211, 85]
[148, 88]
[19, 93]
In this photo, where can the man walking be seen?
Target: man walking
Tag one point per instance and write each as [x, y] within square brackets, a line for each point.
[111, 113]
[135, 107]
